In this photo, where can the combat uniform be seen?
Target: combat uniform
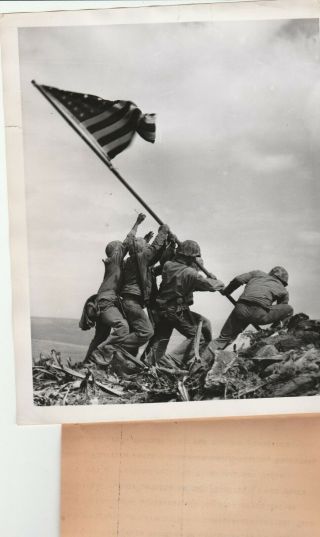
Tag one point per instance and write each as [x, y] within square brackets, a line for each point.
[110, 317]
[179, 282]
[256, 304]
[137, 287]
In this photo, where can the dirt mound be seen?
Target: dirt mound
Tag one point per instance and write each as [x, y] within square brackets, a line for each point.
[275, 362]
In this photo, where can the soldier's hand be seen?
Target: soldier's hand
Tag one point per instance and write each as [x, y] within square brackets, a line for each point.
[141, 218]
[148, 236]
[212, 276]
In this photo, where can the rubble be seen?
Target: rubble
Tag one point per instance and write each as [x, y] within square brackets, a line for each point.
[274, 362]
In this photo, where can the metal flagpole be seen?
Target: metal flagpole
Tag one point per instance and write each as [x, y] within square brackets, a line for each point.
[77, 127]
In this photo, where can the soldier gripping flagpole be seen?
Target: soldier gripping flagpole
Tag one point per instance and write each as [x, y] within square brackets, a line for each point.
[92, 140]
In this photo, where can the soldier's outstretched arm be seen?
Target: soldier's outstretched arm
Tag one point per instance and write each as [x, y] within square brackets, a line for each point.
[207, 284]
[231, 287]
[239, 280]
[132, 233]
[140, 218]
[157, 244]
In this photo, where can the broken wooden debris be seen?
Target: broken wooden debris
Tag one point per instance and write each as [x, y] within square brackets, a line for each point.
[277, 363]
[76, 374]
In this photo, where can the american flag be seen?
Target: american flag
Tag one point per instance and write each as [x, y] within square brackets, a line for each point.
[112, 124]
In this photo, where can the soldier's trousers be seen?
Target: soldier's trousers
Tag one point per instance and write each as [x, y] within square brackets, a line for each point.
[158, 344]
[141, 329]
[245, 314]
[101, 333]
[186, 323]
[111, 326]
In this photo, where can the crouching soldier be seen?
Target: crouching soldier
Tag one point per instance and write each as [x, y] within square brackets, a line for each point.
[256, 304]
[180, 279]
[110, 323]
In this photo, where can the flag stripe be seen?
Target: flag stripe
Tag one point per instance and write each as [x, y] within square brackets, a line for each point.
[147, 126]
[111, 128]
[119, 141]
[117, 114]
[147, 136]
[117, 133]
[147, 130]
[99, 117]
[119, 149]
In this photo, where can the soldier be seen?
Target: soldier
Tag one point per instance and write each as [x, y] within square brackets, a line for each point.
[255, 305]
[136, 291]
[90, 318]
[180, 279]
[109, 315]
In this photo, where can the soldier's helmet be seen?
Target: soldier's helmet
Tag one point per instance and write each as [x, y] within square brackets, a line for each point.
[112, 247]
[280, 273]
[137, 245]
[189, 248]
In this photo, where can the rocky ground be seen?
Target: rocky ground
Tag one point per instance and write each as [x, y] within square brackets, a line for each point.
[278, 362]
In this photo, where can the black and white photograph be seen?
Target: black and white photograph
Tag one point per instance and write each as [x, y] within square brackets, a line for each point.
[171, 183]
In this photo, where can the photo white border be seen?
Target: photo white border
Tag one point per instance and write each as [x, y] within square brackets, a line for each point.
[27, 412]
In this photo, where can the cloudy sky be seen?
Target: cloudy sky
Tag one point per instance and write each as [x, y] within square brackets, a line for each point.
[235, 165]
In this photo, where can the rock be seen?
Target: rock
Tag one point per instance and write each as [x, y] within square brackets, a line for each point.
[308, 330]
[270, 370]
[242, 342]
[295, 320]
[266, 355]
[309, 361]
[309, 337]
[282, 341]
[312, 354]
[285, 342]
[286, 370]
[122, 366]
[223, 359]
[267, 351]
[307, 325]
[297, 385]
